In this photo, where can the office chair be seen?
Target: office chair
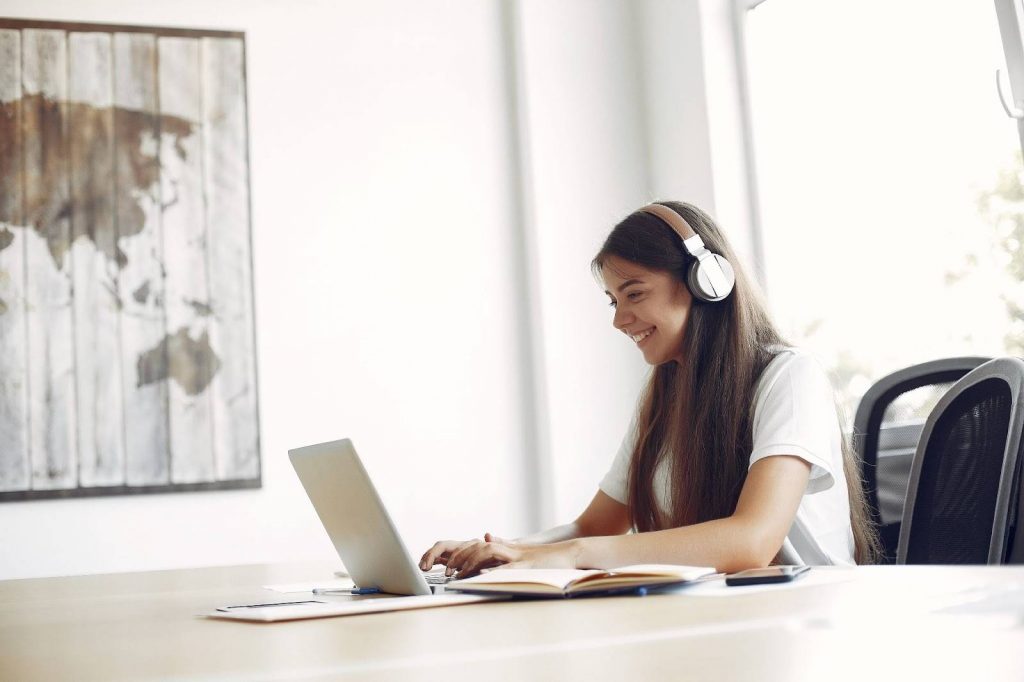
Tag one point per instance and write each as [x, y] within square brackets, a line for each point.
[962, 499]
[889, 419]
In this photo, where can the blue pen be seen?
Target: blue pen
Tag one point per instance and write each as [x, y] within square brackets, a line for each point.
[365, 590]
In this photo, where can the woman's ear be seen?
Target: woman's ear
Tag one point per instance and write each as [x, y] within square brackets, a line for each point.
[683, 291]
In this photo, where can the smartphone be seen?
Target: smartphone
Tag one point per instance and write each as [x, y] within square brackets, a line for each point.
[761, 576]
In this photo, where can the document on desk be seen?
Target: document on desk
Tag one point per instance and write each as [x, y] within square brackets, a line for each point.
[323, 608]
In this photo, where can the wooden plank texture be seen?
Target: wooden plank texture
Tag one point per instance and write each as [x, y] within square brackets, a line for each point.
[14, 455]
[127, 350]
[141, 284]
[191, 361]
[97, 318]
[226, 184]
[50, 324]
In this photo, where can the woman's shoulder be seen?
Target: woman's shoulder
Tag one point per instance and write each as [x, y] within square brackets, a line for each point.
[798, 364]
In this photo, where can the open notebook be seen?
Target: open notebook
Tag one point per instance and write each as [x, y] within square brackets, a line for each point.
[554, 582]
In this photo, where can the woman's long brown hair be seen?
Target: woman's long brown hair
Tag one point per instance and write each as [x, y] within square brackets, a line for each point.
[701, 410]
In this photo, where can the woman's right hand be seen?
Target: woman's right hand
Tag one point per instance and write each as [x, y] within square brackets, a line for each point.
[442, 551]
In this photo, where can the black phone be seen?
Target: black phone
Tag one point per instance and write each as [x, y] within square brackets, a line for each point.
[762, 576]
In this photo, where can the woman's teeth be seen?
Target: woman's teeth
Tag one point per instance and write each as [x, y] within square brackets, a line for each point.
[642, 335]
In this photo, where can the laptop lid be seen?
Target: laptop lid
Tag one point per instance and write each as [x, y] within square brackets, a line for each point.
[355, 518]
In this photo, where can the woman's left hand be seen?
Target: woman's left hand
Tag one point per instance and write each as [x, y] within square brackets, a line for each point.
[472, 559]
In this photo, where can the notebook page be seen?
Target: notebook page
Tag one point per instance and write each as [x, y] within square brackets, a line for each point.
[553, 577]
[670, 570]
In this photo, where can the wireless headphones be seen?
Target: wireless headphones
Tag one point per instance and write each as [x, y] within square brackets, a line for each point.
[710, 277]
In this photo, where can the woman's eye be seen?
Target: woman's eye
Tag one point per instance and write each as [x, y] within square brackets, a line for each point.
[633, 295]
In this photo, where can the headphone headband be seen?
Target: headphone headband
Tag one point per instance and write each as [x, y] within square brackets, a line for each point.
[674, 220]
[711, 277]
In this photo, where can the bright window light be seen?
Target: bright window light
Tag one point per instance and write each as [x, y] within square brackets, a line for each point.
[890, 183]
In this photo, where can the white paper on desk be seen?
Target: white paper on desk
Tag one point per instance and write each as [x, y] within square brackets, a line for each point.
[327, 609]
[1004, 600]
[334, 584]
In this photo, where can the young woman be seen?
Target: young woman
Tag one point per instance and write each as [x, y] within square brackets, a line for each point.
[734, 458]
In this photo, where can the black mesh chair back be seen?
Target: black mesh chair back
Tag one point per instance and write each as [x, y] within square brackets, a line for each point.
[886, 430]
[962, 499]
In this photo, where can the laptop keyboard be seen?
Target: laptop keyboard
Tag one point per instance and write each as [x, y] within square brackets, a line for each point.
[438, 578]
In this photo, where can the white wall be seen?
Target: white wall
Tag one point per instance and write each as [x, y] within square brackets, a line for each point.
[626, 103]
[588, 169]
[395, 171]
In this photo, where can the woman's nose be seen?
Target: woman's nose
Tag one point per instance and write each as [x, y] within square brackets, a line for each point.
[621, 319]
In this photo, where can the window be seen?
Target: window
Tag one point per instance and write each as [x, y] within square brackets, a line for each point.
[890, 183]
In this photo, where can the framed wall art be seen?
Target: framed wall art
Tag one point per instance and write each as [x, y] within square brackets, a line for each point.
[127, 333]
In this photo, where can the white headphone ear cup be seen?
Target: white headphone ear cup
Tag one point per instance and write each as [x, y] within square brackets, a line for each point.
[700, 281]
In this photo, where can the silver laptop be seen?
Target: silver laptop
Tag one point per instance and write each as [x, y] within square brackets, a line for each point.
[357, 522]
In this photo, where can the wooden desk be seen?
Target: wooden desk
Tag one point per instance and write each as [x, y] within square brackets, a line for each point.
[869, 623]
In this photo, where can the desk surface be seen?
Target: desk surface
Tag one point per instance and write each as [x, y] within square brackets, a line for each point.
[943, 622]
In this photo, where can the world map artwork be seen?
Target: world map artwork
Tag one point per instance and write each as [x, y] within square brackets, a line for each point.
[127, 353]
[154, 363]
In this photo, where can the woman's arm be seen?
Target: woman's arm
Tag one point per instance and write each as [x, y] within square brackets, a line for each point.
[750, 538]
[603, 516]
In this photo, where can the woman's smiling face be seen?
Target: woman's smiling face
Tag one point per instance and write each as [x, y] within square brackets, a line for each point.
[651, 307]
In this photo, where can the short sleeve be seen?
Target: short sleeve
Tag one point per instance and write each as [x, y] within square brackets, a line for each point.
[795, 414]
[614, 483]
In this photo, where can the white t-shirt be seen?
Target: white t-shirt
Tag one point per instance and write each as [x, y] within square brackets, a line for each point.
[794, 414]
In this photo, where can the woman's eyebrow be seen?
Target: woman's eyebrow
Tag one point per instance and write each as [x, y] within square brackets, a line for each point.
[625, 284]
